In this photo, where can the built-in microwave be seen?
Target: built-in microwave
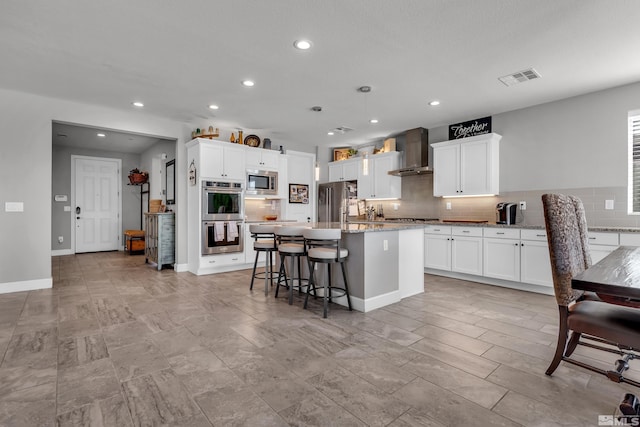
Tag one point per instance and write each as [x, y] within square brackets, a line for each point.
[222, 201]
[264, 183]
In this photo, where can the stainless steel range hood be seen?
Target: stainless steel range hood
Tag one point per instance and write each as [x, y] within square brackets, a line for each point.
[416, 153]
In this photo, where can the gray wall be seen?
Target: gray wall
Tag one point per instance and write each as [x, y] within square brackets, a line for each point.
[572, 143]
[577, 146]
[61, 184]
[26, 174]
[157, 176]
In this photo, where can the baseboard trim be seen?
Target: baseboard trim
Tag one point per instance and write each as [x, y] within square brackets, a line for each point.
[60, 252]
[369, 304]
[538, 289]
[26, 285]
[181, 268]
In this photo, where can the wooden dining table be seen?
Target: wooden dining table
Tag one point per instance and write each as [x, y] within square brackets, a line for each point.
[617, 275]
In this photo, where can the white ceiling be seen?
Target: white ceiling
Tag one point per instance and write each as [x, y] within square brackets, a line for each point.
[70, 135]
[178, 57]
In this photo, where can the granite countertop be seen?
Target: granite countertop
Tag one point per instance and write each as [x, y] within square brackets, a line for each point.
[366, 226]
[350, 227]
[604, 229]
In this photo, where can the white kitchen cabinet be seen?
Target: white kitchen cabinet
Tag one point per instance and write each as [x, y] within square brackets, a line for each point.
[222, 160]
[467, 166]
[261, 159]
[602, 244]
[456, 249]
[377, 183]
[437, 251]
[535, 265]
[502, 253]
[344, 170]
[466, 250]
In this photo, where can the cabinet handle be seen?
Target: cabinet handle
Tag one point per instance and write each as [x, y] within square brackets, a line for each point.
[592, 238]
[541, 235]
[499, 233]
[234, 259]
[436, 229]
[516, 244]
[466, 231]
[521, 244]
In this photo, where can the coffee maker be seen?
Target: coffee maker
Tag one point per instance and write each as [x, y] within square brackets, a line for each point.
[506, 213]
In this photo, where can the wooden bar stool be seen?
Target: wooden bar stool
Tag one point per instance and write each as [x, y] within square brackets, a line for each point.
[264, 241]
[323, 246]
[290, 244]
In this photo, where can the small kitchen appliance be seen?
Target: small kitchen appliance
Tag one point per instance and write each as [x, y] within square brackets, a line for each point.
[263, 183]
[506, 213]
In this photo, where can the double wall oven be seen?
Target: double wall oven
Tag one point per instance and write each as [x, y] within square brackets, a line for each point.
[222, 217]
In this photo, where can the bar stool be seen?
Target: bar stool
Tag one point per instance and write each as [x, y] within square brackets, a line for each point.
[323, 246]
[264, 241]
[290, 244]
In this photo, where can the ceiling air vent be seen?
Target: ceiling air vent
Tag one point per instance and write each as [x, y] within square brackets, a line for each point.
[519, 77]
[342, 130]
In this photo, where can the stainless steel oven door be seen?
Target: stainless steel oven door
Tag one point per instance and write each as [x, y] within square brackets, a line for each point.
[221, 203]
[218, 237]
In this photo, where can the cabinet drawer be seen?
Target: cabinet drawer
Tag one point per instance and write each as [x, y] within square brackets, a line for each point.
[466, 231]
[539, 235]
[629, 239]
[502, 233]
[437, 229]
[603, 238]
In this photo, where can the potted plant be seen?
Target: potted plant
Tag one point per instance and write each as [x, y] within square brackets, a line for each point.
[137, 177]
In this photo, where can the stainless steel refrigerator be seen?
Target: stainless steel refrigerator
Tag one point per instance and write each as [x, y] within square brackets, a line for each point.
[337, 197]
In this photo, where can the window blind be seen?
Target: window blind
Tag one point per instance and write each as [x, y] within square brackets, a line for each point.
[634, 137]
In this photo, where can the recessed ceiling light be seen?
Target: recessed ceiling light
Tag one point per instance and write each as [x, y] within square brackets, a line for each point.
[330, 133]
[302, 44]
[364, 89]
[101, 135]
[316, 108]
[434, 103]
[373, 121]
[247, 83]
[138, 104]
[213, 107]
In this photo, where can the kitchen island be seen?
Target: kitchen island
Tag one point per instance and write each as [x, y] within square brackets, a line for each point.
[385, 262]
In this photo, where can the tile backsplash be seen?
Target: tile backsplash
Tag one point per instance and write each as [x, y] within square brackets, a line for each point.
[257, 209]
[418, 202]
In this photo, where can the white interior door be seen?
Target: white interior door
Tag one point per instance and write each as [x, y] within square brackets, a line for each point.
[97, 204]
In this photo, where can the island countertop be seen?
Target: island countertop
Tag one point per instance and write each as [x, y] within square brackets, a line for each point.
[349, 227]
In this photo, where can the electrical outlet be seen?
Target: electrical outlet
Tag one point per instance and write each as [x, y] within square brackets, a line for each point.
[385, 245]
[60, 239]
[448, 206]
[608, 205]
[523, 206]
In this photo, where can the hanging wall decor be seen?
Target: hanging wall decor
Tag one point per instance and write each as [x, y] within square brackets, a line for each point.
[298, 193]
[192, 173]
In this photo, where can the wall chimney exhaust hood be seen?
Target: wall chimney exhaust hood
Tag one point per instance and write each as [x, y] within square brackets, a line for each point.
[416, 153]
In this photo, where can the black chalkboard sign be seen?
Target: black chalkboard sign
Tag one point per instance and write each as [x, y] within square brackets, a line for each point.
[470, 128]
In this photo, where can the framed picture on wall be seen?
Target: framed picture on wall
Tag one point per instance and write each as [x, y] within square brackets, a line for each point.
[340, 154]
[299, 193]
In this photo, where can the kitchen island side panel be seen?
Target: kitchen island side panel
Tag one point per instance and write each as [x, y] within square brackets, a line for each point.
[372, 270]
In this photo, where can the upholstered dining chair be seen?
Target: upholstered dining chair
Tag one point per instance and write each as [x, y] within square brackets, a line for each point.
[584, 319]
